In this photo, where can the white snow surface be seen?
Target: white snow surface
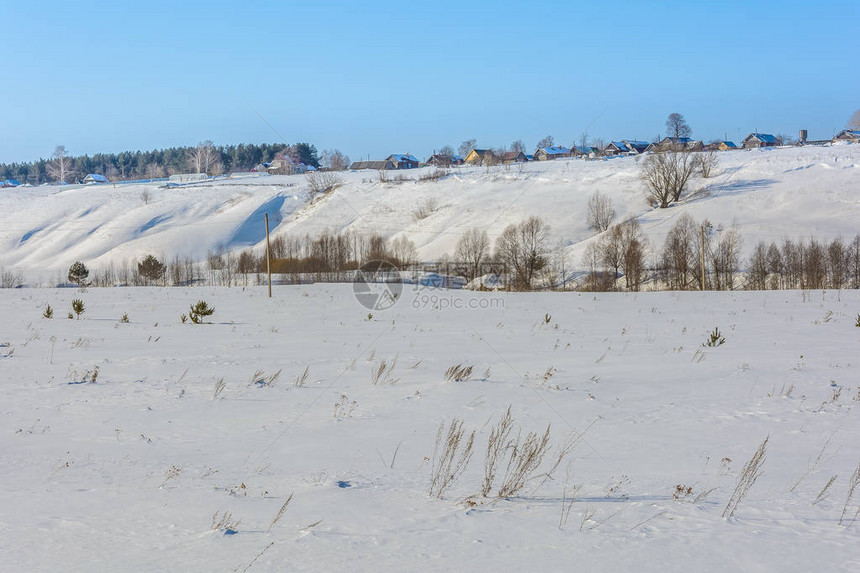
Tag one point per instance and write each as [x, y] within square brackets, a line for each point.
[125, 473]
[770, 194]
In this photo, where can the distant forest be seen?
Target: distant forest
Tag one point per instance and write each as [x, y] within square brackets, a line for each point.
[158, 163]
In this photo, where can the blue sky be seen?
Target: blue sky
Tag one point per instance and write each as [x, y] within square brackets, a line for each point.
[373, 78]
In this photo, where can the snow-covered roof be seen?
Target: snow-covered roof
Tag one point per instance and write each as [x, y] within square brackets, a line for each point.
[763, 137]
[849, 133]
[555, 150]
[96, 177]
[398, 157]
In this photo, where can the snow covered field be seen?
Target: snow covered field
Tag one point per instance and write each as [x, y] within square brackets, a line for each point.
[125, 472]
[771, 195]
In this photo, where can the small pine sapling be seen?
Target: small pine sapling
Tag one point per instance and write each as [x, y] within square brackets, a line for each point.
[124, 318]
[78, 307]
[857, 322]
[715, 339]
[199, 311]
[48, 312]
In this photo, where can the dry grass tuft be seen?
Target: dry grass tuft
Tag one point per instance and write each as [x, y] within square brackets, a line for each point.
[458, 373]
[451, 455]
[748, 477]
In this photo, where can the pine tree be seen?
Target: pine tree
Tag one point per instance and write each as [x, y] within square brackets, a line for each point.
[78, 273]
[151, 268]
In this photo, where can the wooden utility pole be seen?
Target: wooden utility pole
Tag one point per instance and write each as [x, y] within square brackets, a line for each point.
[268, 257]
[702, 234]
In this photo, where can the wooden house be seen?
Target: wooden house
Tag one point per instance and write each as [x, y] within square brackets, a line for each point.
[755, 140]
[852, 135]
[399, 161]
[95, 179]
[440, 160]
[584, 151]
[481, 157]
[514, 157]
[550, 153]
[383, 165]
[283, 164]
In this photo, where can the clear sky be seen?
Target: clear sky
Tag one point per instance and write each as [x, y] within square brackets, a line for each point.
[373, 78]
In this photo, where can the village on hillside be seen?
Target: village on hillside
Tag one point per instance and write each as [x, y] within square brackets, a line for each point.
[287, 162]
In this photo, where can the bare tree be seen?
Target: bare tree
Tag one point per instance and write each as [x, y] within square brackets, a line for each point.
[598, 279]
[677, 126]
[335, 160]
[757, 274]
[547, 141]
[725, 259]
[854, 122]
[837, 264]
[785, 139]
[323, 181]
[666, 175]
[611, 248]
[518, 146]
[466, 147]
[583, 140]
[204, 158]
[521, 247]
[447, 151]
[853, 262]
[680, 257]
[708, 161]
[473, 250]
[154, 170]
[60, 166]
[633, 254]
[600, 212]
[403, 250]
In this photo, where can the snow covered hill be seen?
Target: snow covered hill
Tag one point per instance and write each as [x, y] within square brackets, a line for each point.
[769, 194]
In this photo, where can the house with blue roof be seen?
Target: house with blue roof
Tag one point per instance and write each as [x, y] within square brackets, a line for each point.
[626, 147]
[584, 151]
[95, 178]
[852, 135]
[402, 161]
[756, 140]
[442, 160]
[10, 183]
[550, 153]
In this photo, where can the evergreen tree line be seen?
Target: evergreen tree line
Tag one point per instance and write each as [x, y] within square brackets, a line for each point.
[131, 165]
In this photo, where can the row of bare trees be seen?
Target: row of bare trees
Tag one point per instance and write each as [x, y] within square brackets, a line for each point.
[694, 256]
[701, 256]
[805, 265]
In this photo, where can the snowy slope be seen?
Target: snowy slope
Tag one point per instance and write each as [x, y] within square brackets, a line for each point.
[770, 194]
[125, 473]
